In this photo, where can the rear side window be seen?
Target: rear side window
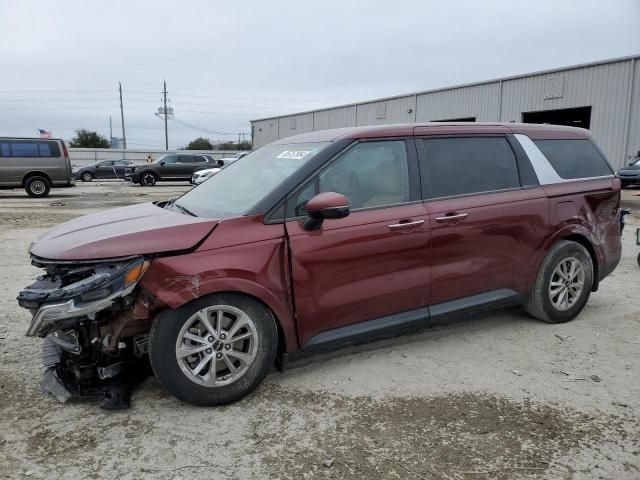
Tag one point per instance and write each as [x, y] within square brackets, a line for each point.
[574, 158]
[466, 165]
[24, 149]
[185, 159]
[27, 148]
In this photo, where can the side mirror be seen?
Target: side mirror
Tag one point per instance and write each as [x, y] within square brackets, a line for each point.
[162, 163]
[326, 205]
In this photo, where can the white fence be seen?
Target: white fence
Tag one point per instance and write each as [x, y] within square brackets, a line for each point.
[86, 156]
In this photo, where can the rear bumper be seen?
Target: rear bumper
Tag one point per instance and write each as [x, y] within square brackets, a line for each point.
[64, 184]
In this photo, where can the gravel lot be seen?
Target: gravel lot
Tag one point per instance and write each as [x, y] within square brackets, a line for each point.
[482, 399]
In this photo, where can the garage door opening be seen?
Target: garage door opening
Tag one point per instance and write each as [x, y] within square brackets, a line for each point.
[463, 119]
[572, 117]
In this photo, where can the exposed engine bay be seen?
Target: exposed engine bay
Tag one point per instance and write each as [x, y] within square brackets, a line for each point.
[94, 319]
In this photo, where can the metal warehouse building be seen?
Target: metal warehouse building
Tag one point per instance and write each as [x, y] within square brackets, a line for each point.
[601, 96]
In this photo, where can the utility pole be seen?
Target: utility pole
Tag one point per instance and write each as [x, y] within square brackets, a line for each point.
[110, 132]
[124, 136]
[166, 131]
[239, 141]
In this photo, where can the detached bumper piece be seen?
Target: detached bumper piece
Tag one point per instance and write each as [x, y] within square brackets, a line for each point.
[90, 375]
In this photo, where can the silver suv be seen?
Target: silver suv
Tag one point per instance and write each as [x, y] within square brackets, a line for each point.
[34, 164]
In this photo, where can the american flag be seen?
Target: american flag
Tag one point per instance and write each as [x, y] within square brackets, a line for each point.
[45, 133]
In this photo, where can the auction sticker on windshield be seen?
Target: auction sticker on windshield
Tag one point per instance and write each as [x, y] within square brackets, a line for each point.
[294, 154]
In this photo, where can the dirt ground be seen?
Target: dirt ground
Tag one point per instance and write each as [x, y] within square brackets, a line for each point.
[477, 400]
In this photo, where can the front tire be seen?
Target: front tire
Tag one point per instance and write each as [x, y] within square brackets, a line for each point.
[148, 179]
[563, 285]
[86, 177]
[214, 350]
[37, 187]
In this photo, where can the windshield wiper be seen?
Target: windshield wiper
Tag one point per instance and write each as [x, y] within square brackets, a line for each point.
[184, 210]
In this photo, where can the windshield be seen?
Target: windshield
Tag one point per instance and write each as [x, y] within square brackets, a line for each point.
[238, 187]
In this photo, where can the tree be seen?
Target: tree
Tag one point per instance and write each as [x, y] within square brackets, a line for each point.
[199, 143]
[86, 139]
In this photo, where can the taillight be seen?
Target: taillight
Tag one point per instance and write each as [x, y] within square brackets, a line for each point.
[65, 151]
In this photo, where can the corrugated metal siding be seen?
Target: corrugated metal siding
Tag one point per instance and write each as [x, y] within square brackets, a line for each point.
[479, 101]
[602, 87]
[633, 140]
[264, 131]
[335, 118]
[295, 124]
[395, 110]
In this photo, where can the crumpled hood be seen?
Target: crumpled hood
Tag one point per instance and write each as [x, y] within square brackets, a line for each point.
[134, 230]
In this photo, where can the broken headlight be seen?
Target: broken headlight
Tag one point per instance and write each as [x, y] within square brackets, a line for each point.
[73, 289]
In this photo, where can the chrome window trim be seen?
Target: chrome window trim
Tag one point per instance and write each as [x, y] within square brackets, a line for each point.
[547, 175]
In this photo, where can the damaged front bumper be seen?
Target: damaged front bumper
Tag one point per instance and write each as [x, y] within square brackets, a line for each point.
[95, 324]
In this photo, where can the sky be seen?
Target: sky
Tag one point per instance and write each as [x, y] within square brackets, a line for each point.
[226, 63]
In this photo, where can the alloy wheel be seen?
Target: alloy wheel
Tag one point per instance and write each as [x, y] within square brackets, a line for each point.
[567, 283]
[148, 179]
[37, 187]
[216, 345]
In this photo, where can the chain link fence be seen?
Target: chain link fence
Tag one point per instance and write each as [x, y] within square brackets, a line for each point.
[81, 157]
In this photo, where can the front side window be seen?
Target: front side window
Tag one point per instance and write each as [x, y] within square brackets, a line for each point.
[167, 159]
[371, 174]
[574, 158]
[234, 190]
[467, 165]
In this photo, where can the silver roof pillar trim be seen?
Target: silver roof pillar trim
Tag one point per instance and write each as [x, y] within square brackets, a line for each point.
[545, 172]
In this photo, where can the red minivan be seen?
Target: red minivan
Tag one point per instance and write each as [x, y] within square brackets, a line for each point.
[321, 240]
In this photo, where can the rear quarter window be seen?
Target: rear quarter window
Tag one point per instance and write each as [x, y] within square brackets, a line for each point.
[573, 159]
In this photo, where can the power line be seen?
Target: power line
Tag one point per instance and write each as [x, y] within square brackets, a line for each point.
[201, 129]
[138, 92]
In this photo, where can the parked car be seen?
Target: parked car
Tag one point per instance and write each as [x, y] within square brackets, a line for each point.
[172, 167]
[102, 169]
[630, 175]
[34, 164]
[201, 175]
[322, 240]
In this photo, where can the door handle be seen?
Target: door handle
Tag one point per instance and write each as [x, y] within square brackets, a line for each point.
[446, 218]
[400, 226]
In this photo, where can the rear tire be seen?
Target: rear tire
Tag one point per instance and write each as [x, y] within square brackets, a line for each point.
[563, 284]
[148, 179]
[37, 186]
[219, 370]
